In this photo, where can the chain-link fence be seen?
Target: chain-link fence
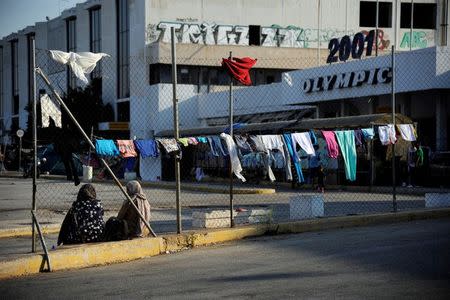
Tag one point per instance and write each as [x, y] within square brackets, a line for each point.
[311, 141]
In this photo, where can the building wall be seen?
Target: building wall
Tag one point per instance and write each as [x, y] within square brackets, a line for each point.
[294, 25]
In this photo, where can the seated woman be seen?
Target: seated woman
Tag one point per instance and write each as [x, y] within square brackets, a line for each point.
[84, 220]
[135, 226]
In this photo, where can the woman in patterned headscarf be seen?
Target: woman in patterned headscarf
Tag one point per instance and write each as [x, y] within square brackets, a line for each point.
[84, 220]
[136, 227]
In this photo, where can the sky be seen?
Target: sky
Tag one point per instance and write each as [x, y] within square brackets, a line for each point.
[18, 14]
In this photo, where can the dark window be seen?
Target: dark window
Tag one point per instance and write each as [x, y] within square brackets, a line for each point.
[95, 37]
[30, 39]
[160, 73]
[254, 35]
[123, 111]
[71, 47]
[15, 76]
[187, 74]
[123, 45]
[368, 14]
[424, 15]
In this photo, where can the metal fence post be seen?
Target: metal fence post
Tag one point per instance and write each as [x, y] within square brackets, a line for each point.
[394, 192]
[175, 128]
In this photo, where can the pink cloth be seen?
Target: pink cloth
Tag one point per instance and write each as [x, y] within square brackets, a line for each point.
[126, 148]
[333, 148]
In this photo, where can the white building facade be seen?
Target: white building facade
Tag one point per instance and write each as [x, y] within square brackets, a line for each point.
[283, 35]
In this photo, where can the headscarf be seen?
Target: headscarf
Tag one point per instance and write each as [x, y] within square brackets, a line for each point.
[134, 190]
[87, 193]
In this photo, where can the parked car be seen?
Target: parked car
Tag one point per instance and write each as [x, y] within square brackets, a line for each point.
[51, 163]
[440, 168]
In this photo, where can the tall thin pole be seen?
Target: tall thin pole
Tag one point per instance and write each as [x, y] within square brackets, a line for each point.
[412, 25]
[376, 27]
[318, 32]
[35, 158]
[394, 192]
[231, 134]
[175, 127]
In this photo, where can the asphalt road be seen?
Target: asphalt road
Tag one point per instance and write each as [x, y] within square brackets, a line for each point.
[405, 260]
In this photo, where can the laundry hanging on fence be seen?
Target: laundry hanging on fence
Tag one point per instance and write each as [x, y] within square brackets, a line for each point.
[192, 141]
[333, 148]
[80, 63]
[170, 145]
[346, 141]
[359, 137]
[273, 142]
[126, 148]
[242, 144]
[387, 134]
[147, 148]
[50, 109]
[303, 139]
[368, 133]
[407, 132]
[234, 159]
[313, 137]
[184, 141]
[291, 149]
[106, 148]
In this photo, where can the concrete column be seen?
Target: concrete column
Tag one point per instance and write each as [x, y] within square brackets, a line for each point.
[441, 123]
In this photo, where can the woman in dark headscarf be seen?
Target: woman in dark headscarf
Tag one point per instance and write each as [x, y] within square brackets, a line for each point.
[84, 220]
[136, 227]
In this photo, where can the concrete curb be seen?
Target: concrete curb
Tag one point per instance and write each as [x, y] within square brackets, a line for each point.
[26, 231]
[82, 256]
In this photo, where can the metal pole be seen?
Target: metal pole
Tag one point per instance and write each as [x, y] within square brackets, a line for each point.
[175, 127]
[412, 25]
[376, 28]
[318, 33]
[231, 134]
[33, 90]
[372, 164]
[69, 113]
[20, 153]
[394, 192]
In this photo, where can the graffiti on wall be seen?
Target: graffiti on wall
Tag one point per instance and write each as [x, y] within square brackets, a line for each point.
[383, 39]
[418, 39]
[214, 34]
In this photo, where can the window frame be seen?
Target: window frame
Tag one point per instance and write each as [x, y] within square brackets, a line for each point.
[123, 49]
[95, 37]
[15, 76]
[372, 19]
[71, 44]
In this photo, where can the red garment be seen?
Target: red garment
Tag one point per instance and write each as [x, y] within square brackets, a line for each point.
[239, 68]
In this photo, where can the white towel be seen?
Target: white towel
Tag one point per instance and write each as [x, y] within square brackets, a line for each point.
[50, 109]
[273, 142]
[235, 162]
[304, 140]
[387, 134]
[407, 132]
[80, 63]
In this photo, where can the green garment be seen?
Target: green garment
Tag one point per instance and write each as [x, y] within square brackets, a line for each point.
[184, 141]
[346, 141]
[419, 153]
